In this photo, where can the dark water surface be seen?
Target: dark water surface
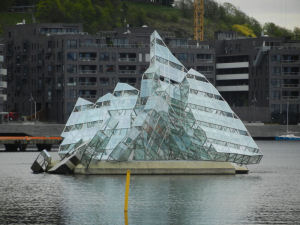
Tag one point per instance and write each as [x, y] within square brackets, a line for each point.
[270, 194]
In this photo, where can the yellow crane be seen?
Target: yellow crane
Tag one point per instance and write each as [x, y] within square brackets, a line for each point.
[199, 20]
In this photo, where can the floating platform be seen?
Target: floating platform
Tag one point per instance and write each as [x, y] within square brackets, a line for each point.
[162, 168]
[72, 165]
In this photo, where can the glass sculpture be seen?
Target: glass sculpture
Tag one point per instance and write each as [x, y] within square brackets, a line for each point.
[177, 115]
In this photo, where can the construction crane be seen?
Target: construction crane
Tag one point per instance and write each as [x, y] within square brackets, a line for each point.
[199, 20]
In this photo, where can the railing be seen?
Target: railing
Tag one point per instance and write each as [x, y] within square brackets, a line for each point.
[206, 72]
[87, 71]
[88, 96]
[290, 85]
[3, 96]
[290, 61]
[290, 73]
[127, 72]
[71, 84]
[292, 98]
[3, 84]
[283, 47]
[87, 83]
[206, 47]
[95, 45]
[127, 59]
[87, 59]
[3, 71]
[205, 60]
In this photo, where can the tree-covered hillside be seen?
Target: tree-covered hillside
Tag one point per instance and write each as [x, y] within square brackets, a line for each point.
[98, 15]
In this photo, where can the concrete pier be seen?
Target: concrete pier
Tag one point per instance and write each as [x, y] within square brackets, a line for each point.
[161, 168]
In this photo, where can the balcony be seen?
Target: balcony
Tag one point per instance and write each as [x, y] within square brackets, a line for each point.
[291, 73]
[71, 84]
[4, 97]
[289, 61]
[205, 60]
[241, 76]
[87, 59]
[232, 65]
[206, 73]
[87, 71]
[127, 60]
[87, 83]
[290, 85]
[3, 84]
[3, 71]
[87, 56]
[233, 88]
[291, 98]
[87, 93]
[127, 72]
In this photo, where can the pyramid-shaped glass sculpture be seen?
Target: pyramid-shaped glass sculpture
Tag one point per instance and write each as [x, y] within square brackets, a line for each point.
[177, 115]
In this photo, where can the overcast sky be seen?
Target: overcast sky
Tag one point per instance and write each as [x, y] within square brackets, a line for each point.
[285, 13]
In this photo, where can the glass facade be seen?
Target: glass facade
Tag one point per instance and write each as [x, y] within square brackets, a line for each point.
[177, 115]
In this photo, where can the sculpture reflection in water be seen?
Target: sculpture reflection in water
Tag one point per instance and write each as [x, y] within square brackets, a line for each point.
[177, 115]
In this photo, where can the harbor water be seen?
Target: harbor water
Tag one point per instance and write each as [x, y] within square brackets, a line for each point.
[269, 194]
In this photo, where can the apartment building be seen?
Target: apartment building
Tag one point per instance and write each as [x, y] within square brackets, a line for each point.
[51, 65]
[258, 75]
[277, 66]
[3, 81]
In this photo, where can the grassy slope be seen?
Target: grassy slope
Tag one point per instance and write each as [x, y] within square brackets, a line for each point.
[157, 16]
[165, 18]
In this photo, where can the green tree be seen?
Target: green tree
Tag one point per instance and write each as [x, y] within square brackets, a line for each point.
[296, 33]
[276, 31]
[94, 15]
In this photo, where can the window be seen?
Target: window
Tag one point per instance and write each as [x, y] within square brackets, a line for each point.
[104, 81]
[87, 56]
[104, 56]
[58, 68]
[71, 81]
[275, 95]
[87, 81]
[275, 108]
[87, 93]
[182, 56]
[276, 70]
[275, 58]
[70, 106]
[275, 83]
[86, 43]
[71, 68]
[147, 57]
[72, 93]
[71, 56]
[72, 43]
[110, 68]
[101, 68]
[204, 56]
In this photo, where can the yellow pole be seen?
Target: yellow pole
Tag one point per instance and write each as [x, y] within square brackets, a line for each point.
[126, 217]
[127, 191]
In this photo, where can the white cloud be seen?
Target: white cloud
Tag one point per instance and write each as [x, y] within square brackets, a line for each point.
[284, 13]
